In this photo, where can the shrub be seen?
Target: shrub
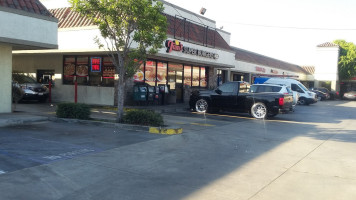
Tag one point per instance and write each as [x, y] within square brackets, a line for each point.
[73, 110]
[143, 117]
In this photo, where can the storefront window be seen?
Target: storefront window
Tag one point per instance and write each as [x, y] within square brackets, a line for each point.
[108, 72]
[150, 73]
[139, 76]
[203, 77]
[69, 70]
[161, 73]
[82, 70]
[196, 73]
[93, 71]
[188, 75]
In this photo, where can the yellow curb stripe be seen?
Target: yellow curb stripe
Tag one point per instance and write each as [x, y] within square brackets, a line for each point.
[166, 131]
[199, 124]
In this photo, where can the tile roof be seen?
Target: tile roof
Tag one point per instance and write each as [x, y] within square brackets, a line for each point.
[310, 69]
[69, 19]
[31, 6]
[195, 33]
[251, 57]
[328, 44]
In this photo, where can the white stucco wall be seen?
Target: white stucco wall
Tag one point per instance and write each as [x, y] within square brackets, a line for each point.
[27, 30]
[5, 80]
[326, 64]
[78, 39]
[246, 67]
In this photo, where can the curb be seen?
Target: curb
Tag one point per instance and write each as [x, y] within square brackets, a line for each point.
[22, 120]
[150, 129]
[165, 131]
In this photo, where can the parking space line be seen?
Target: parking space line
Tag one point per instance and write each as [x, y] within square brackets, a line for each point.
[2, 172]
[199, 124]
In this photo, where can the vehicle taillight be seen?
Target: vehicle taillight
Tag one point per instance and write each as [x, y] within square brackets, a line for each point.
[281, 101]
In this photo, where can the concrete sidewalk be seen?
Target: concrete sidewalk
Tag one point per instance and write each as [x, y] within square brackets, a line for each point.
[32, 112]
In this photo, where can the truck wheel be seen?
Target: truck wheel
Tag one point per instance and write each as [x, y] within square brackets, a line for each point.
[201, 106]
[303, 101]
[259, 110]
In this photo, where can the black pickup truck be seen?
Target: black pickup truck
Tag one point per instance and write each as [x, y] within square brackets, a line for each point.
[235, 96]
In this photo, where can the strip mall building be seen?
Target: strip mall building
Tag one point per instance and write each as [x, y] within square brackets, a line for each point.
[196, 55]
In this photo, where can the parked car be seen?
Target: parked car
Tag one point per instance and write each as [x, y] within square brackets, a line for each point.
[306, 97]
[351, 95]
[333, 95]
[283, 89]
[321, 95]
[235, 96]
[30, 88]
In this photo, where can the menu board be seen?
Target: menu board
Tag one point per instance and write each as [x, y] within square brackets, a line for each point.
[69, 69]
[108, 71]
[82, 70]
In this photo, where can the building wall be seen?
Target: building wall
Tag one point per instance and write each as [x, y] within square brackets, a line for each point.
[5, 80]
[31, 31]
[326, 67]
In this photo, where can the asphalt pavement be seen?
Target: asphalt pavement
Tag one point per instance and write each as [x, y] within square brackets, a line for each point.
[308, 154]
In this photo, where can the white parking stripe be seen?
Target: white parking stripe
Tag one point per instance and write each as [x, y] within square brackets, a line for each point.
[2, 172]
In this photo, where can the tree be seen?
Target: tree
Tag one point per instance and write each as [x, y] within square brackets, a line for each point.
[132, 29]
[347, 59]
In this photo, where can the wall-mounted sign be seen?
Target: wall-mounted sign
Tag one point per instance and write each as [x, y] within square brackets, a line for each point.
[175, 45]
[95, 63]
[273, 71]
[260, 69]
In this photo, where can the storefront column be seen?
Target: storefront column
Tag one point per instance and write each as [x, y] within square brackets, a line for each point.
[228, 76]
[5, 79]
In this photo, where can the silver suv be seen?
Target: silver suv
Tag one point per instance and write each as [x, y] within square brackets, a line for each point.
[283, 89]
[31, 90]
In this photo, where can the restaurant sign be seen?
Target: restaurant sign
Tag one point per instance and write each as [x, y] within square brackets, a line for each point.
[95, 63]
[175, 45]
[260, 69]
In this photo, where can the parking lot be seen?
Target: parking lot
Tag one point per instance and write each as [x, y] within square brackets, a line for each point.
[308, 154]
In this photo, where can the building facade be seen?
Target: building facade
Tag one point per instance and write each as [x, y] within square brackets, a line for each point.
[23, 26]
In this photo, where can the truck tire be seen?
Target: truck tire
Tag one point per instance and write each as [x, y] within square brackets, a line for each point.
[259, 110]
[303, 101]
[201, 106]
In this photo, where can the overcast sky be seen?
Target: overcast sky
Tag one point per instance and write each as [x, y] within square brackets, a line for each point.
[287, 30]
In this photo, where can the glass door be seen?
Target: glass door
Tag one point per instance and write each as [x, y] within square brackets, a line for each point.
[175, 80]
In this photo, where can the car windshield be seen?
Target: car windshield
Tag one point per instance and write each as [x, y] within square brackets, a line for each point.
[21, 78]
[303, 87]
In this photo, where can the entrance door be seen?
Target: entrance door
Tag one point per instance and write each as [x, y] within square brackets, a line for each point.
[175, 80]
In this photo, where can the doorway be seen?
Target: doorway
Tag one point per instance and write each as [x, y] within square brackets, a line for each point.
[175, 80]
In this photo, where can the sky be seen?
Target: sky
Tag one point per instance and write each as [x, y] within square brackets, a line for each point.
[288, 30]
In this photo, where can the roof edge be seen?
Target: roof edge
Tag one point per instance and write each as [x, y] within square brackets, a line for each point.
[27, 14]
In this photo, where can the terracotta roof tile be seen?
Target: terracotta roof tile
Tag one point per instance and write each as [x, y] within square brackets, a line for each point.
[70, 19]
[251, 57]
[32, 6]
[310, 69]
[328, 44]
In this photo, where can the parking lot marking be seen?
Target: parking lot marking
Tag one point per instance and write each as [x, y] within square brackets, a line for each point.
[2, 172]
[220, 115]
[199, 124]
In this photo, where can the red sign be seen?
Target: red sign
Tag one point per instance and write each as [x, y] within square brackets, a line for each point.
[260, 69]
[174, 45]
[96, 64]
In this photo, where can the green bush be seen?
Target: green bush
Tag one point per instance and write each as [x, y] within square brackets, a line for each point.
[143, 117]
[73, 110]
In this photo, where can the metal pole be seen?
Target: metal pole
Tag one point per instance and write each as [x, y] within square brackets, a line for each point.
[50, 91]
[75, 90]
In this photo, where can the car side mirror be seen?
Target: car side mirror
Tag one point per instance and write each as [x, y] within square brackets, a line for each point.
[218, 91]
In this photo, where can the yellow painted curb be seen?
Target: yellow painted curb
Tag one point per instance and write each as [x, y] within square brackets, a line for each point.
[166, 131]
